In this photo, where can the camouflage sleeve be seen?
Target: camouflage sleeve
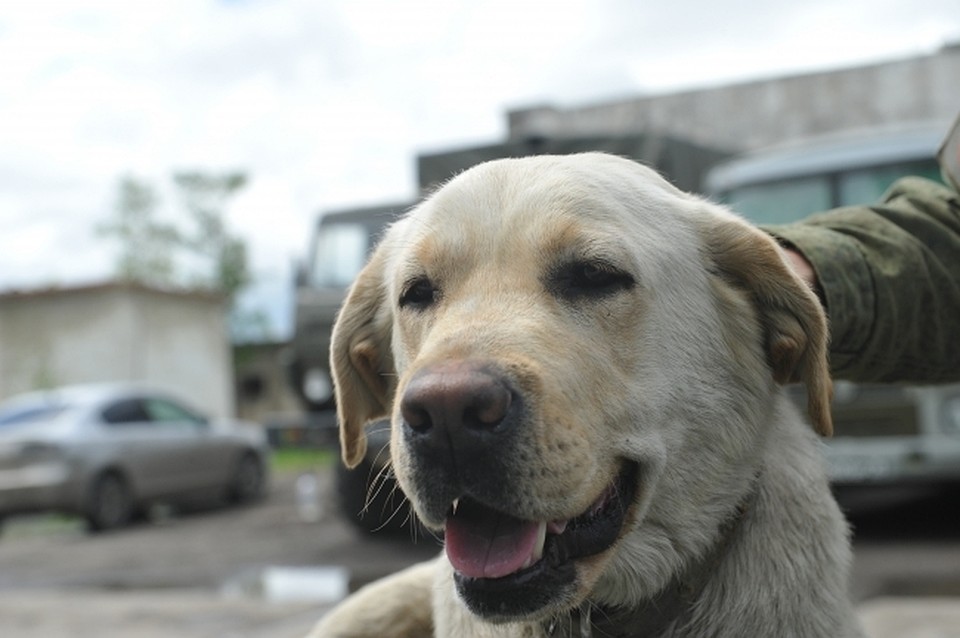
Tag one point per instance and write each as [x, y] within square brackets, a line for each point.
[890, 283]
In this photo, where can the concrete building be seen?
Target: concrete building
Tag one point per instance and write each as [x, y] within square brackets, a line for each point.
[684, 163]
[754, 114]
[116, 332]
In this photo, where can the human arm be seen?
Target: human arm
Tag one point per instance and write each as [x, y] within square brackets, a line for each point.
[889, 277]
[802, 266]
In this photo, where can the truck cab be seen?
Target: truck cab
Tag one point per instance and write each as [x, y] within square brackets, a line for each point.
[339, 247]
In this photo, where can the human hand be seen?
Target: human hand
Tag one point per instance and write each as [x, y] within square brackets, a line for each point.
[802, 267]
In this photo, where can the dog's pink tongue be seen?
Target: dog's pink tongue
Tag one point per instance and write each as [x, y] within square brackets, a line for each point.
[482, 543]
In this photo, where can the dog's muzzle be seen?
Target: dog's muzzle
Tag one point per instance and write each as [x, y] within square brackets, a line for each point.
[486, 546]
[462, 425]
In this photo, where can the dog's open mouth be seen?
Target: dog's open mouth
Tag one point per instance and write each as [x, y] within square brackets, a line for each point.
[508, 567]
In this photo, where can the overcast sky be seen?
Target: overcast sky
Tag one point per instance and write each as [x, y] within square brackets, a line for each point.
[326, 102]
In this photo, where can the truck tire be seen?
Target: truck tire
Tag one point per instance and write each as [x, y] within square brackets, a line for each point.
[248, 482]
[373, 502]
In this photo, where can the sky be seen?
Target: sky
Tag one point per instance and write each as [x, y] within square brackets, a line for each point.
[325, 103]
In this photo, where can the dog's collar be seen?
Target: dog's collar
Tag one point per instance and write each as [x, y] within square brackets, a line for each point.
[653, 616]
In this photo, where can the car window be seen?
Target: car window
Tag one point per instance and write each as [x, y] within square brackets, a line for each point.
[791, 199]
[781, 202]
[125, 411]
[161, 410]
[869, 184]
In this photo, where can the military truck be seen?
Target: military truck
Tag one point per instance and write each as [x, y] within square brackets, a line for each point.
[339, 247]
[889, 435]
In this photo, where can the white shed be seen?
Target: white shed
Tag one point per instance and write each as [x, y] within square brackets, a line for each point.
[118, 331]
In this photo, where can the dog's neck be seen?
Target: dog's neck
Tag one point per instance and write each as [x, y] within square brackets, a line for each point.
[654, 616]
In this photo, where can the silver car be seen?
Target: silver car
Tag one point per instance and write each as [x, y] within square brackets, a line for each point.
[106, 452]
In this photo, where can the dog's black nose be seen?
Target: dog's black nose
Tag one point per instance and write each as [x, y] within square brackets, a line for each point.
[455, 402]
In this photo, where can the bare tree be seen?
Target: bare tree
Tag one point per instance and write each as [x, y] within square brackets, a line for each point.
[205, 197]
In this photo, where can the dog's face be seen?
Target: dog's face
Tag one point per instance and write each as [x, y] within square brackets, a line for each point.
[577, 360]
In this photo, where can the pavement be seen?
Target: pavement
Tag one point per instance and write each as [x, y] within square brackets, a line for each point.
[911, 617]
[162, 614]
[65, 584]
[205, 614]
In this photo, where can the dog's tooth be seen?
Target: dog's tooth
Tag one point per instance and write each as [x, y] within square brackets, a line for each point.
[456, 502]
[538, 546]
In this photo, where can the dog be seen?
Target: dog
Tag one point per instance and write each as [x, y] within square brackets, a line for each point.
[583, 368]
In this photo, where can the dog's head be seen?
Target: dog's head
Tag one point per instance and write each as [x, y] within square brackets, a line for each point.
[563, 345]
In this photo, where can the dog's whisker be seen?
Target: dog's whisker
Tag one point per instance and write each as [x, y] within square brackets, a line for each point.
[376, 484]
[396, 511]
[384, 450]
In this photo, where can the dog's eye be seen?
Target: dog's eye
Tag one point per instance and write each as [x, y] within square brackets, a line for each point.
[586, 279]
[418, 293]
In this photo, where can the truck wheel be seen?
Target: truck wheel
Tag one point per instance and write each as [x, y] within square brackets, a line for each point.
[373, 503]
[110, 505]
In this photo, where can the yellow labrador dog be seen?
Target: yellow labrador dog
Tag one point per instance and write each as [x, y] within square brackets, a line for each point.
[583, 369]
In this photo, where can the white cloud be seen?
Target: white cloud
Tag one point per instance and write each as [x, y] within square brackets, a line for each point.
[326, 103]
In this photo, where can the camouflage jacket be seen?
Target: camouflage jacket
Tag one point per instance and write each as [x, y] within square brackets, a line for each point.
[890, 282]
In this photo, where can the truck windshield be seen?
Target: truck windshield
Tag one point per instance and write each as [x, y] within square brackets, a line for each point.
[790, 199]
[339, 252]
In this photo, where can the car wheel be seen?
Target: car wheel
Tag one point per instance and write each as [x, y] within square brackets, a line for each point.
[373, 502]
[110, 504]
[247, 484]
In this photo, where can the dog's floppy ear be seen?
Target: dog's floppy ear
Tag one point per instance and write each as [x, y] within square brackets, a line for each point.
[360, 358]
[793, 322]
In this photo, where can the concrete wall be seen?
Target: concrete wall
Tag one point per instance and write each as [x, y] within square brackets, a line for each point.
[117, 332]
[756, 114]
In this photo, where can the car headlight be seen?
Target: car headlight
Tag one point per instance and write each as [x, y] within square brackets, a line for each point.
[317, 385]
[39, 464]
[40, 451]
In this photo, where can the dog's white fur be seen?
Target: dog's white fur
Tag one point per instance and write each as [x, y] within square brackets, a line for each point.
[681, 373]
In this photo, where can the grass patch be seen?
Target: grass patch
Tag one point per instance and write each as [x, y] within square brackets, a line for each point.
[43, 525]
[294, 459]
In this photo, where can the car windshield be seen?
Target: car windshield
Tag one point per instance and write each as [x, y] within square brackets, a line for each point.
[786, 200]
[782, 201]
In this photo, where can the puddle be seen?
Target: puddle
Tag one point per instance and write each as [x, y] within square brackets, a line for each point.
[327, 584]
